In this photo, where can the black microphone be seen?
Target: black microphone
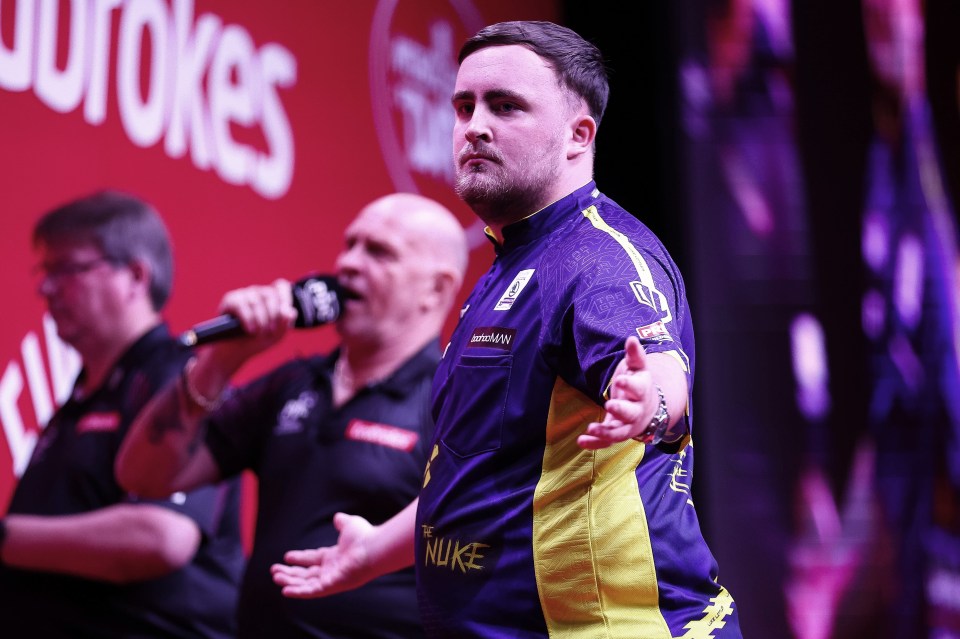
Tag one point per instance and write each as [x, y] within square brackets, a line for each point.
[317, 298]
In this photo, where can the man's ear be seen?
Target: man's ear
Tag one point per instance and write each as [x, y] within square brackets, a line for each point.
[141, 273]
[443, 287]
[584, 132]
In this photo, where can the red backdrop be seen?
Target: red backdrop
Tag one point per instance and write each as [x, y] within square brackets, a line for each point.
[257, 129]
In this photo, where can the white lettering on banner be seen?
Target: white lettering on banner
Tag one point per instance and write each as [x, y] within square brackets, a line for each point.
[95, 106]
[233, 102]
[204, 77]
[64, 364]
[425, 78]
[142, 119]
[63, 360]
[60, 90]
[19, 440]
[39, 391]
[16, 62]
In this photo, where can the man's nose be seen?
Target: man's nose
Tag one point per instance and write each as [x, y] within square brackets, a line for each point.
[478, 127]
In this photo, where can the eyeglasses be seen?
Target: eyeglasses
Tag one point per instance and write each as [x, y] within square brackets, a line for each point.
[60, 270]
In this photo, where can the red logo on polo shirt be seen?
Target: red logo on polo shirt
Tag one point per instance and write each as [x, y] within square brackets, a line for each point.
[382, 435]
[98, 423]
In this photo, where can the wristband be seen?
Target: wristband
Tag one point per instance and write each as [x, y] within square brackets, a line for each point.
[197, 399]
[657, 428]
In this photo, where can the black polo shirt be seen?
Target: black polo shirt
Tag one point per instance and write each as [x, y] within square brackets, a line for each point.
[71, 471]
[312, 460]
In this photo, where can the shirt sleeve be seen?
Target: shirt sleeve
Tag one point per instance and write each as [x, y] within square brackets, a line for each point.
[236, 432]
[627, 286]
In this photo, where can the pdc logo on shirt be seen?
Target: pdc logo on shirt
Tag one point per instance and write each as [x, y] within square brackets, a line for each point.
[657, 331]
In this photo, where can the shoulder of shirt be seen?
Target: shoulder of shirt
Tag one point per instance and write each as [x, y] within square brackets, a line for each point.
[580, 231]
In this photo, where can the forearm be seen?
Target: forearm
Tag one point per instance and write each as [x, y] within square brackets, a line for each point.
[160, 445]
[122, 543]
[164, 451]
[668, 374]
[392, 547]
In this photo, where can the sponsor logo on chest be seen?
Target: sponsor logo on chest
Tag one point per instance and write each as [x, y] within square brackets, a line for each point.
[492, 337]
[513, 291]
[294, 412]
[381, 434]
[99, 423]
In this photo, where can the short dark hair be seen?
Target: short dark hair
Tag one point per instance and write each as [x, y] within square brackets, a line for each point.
[124, 227]
[578, 63]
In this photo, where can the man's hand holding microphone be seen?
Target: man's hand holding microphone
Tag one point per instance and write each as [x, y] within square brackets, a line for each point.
[252, 320]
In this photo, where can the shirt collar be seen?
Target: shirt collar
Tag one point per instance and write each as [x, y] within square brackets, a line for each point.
[547, 219]
[406, 378]
[138, 352]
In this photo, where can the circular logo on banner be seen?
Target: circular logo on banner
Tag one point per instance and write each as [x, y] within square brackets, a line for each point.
[413, 69]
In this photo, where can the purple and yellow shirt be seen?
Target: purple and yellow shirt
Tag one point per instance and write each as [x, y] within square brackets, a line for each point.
[520, 532]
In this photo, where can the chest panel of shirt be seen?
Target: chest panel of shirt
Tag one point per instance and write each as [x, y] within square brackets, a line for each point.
[494, 351]
[364, 458]
[71, 469]
[494, 389]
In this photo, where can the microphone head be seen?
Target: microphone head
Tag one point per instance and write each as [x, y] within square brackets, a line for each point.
[318, 300]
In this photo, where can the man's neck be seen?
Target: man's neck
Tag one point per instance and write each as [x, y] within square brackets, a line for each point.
[496, 219]
[99, 360]
[360, 365]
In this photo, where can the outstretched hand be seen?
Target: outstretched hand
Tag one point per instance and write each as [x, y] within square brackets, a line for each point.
[325, 571]
[632, 403]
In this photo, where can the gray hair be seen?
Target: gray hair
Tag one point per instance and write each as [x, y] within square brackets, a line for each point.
[124, 227]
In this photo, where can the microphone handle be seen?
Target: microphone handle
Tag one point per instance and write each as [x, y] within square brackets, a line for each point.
[222, 327]
[316, 298]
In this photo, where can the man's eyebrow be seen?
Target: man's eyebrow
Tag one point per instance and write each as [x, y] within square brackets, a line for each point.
[493, 94]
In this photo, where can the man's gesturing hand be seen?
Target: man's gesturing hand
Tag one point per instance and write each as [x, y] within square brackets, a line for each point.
[325, 571]
[632, 404]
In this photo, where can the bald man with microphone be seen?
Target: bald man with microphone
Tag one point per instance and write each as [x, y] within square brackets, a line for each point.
[345, 431]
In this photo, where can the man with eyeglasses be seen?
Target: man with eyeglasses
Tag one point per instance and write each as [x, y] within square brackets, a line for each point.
[79, 556]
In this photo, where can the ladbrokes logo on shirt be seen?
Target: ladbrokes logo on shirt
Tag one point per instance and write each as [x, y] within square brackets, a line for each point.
[106, 422]
[493, 337]
[381, 434]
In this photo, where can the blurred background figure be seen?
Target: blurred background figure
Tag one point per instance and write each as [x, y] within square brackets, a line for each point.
[850, 456]
[754, 294]
[346, 431]
[908, 246]
[81, 557]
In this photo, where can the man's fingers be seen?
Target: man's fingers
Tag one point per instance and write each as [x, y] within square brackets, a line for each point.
[631, 386]
[287, 574]
[623, 411]
[340, 520]
[304, 557]
[635, 357]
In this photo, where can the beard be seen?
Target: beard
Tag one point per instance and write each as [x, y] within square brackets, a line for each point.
[499, 195]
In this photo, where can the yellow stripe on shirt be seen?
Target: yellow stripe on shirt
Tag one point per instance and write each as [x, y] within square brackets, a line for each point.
[592, 554]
